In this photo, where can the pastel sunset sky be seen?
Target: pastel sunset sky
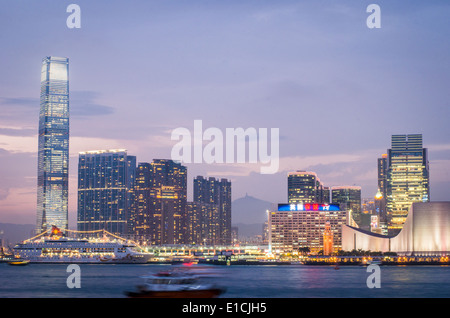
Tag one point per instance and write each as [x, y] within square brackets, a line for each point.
[336, 89]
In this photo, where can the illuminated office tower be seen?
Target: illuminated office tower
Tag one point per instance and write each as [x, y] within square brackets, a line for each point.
[381, 196]
[348, 198]
[407, 178]
[53, 151]
[216, 192]
[382, 174]
[104, 180]
[305, 187]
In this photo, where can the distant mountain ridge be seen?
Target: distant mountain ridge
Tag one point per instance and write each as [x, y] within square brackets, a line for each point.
[249, 210]
[249, 214]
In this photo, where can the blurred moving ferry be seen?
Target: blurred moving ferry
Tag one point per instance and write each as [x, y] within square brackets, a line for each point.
[175, 284]
[57, 248]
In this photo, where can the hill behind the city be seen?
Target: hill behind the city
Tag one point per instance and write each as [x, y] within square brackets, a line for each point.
[249, 215]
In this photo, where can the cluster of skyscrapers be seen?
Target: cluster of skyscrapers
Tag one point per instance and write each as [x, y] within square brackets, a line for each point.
[306, 187]
[312, 219]
[145, 201]
[148, 200]
[315, 214]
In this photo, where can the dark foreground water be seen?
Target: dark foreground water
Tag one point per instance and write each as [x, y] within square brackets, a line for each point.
[295, 281]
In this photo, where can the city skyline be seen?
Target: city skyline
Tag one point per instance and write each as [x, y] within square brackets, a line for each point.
[296, 67]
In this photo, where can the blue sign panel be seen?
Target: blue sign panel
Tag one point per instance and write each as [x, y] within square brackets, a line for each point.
[307, 207]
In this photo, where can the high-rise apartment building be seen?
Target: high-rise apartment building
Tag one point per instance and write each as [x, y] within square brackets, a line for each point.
[216, 192]
[142, 222]
[407, 178]
[203, 224]
[105, 178]
[169, 193]
[169, 213]
[53, 152]
[159, 203]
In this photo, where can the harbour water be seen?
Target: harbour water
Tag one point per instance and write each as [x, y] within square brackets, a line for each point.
[240, 281]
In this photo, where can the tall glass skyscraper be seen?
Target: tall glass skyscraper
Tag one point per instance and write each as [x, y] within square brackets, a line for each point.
[53, 152]
[407, 179]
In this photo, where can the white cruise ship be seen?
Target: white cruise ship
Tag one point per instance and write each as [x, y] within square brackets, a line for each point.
[57, 248]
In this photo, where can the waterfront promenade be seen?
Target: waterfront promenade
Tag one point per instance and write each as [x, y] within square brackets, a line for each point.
[259, 255]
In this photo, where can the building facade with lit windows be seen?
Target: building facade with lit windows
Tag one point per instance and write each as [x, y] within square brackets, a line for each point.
[348, 197]
[53, 145]
[382, 169]
[407, 178]
[305, 187]
[141, 221]
[212, 191]
[169, 213]
[159, 203]
[203, 224]
[104, 180]
[295, 226]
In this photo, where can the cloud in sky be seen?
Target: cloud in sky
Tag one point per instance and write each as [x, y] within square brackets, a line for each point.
[17, 132]
[83, 105]
[336, 89]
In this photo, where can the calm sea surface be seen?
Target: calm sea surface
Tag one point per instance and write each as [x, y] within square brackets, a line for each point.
[286, 281]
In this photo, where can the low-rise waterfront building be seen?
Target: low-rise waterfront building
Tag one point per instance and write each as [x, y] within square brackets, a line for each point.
[300, 227]
[426, 231]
